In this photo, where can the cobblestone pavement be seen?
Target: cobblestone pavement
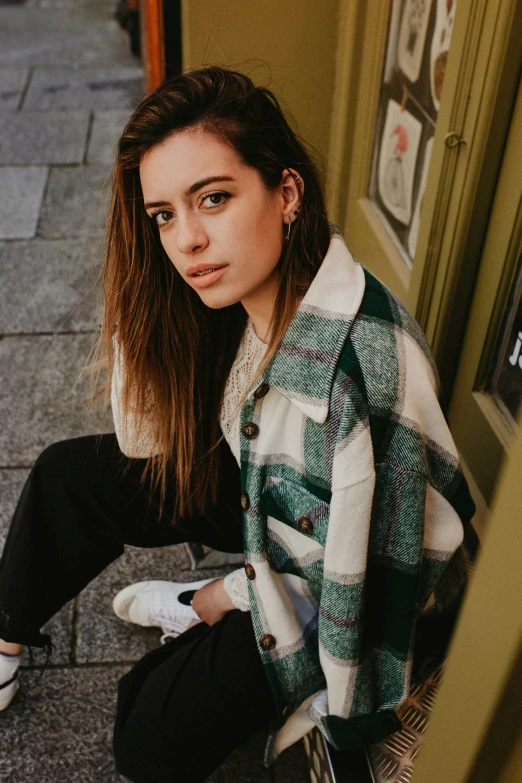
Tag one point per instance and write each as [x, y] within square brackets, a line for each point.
[67, 84]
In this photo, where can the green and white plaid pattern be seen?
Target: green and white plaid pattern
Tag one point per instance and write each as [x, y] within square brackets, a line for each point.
[352, 437]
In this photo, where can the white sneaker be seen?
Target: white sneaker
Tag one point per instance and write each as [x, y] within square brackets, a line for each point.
[9, 665]
[160, 604]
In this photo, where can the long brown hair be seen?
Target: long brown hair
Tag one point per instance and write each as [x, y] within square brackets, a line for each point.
[177, 352]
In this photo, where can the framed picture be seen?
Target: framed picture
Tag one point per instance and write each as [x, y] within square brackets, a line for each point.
[412, 37]
[397, 159]
[439, 47]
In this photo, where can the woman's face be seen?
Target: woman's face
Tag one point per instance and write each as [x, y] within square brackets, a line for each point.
[214, 212]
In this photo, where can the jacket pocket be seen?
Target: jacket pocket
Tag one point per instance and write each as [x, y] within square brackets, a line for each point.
[297, 525]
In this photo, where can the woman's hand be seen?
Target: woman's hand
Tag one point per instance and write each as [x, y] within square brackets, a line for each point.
[212, 602]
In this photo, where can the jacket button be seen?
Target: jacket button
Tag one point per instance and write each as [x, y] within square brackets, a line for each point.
[305, 525]
[250, 430]
[245, 501]
[267, 642]
[261, 391]
[250, 571]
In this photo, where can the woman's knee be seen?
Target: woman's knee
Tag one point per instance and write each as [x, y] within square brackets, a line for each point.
[61, 452]
[66, 461]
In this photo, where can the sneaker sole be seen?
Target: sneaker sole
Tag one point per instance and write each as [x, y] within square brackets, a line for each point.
[7, 698]
[122, 600]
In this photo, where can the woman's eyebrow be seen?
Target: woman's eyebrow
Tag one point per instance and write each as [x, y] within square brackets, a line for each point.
[202, 182]
[193, 188]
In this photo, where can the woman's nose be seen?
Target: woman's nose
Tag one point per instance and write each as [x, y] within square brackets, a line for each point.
[190, 235]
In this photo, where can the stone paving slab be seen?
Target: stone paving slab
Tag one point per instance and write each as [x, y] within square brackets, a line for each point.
[21, 194]
[205, 557]
[43, 137]
[53, 35]
[43, 374]
[84, 88]
[59, 727]
[101, 4]
[103, 637]
[76, 202]
[50, 286]
[106, 131]
[12, 82]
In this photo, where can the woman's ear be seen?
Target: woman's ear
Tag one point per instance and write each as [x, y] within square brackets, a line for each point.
[293, 188]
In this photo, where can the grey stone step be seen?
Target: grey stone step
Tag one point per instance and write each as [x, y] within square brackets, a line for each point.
[51, 34]
[50, 286]
[43, 137]
[12, 82]
[43, 395]
[84, 88]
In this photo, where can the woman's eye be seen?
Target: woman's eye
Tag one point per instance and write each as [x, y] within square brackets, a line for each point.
[161, 217]
[216, 199]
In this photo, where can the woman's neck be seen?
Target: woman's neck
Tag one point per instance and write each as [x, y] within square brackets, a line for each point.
[259, 308]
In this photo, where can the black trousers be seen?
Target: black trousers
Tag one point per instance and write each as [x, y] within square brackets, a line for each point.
[186, 705]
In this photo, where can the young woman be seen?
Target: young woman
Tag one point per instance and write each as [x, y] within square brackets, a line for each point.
[271, 397]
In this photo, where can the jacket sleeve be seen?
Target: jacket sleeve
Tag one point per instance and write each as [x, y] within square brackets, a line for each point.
[135, 438]
[394, 540]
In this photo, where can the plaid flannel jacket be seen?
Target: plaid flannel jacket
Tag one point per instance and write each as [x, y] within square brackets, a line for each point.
[354, 511]
[356, 508]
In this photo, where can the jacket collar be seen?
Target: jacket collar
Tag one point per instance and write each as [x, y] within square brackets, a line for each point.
[303, 367]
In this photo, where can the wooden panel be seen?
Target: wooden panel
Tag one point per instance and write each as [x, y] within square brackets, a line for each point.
[153, 43]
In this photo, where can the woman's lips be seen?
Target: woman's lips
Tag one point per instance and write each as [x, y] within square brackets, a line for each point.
[204, 281]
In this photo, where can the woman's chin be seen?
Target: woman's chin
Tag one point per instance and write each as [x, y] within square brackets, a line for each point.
[217, 300]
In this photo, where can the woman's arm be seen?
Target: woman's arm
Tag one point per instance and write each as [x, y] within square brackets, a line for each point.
[217, 598]
[212, 602]
[394, 529]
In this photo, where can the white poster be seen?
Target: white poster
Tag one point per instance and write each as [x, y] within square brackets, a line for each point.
[439, 47]
[415, 223]
[412, 37]
[397, 159]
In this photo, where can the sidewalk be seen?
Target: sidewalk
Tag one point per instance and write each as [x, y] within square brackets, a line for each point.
[67, 84]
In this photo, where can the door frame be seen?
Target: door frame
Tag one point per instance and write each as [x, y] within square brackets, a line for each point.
[474, 416]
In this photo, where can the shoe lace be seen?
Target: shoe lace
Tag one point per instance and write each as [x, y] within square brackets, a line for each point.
[172, 628]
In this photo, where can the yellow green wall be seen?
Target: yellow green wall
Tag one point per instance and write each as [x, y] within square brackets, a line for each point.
[287, 46]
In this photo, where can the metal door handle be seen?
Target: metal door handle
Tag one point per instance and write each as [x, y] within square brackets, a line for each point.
[453, 139]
